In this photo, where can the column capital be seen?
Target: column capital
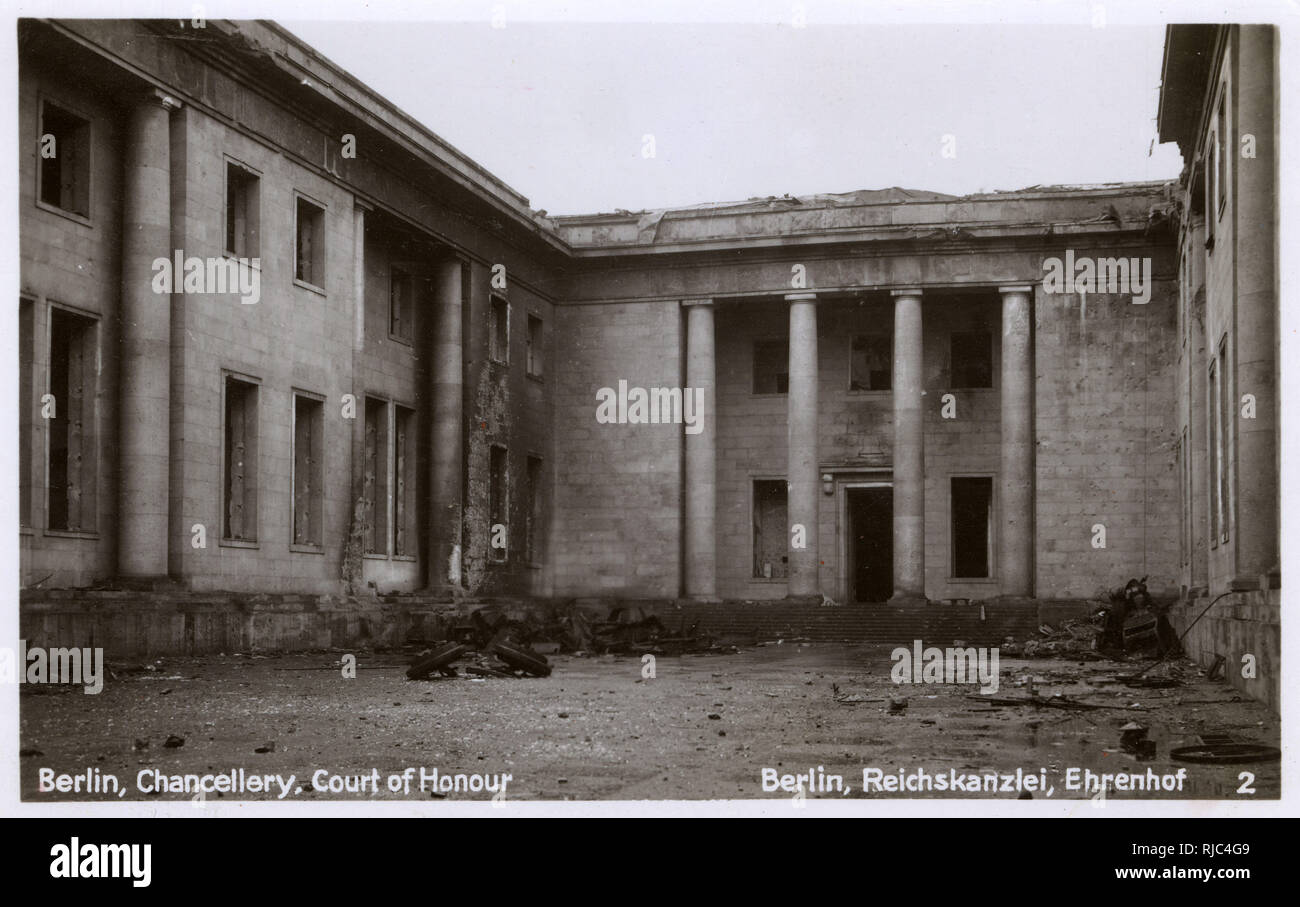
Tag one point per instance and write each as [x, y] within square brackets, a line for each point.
[691, 302]
[162, 99]
[906, 291]
[800, 297]
[1016, 288]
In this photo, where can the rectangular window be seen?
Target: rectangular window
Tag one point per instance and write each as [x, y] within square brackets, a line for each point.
[1186, 538]
[1226, 436]
[1184, 292]
[972, 359]
[534, 346]
[26, 408]
[242, 212]
[309, 244]
[401, 306]
[533, 522]
[497, 503]
[239, 518]
[374, 490]
[499, 327]
[65, 160]
[771, 548]
[771, 367]
[1216, 454]
[71, 465]
[1222, 145]
[404, 510]
[972, 521]
[1208, 191]
[308, 470]
[870, 363]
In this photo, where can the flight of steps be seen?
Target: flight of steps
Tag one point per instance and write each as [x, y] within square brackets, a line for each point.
[935, 624]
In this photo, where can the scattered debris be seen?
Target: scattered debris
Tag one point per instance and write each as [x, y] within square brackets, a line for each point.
[1133, 739]
[439, 659]
[29, 751]
[173, 742]
[839, 695]
[1056, 701]
[1230, 753]
[897, 706]
[527, 661]
[266, 748]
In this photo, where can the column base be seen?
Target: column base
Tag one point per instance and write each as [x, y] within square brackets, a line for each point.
[699, 600]
[908, 599]
[814, 599]
[455, 593]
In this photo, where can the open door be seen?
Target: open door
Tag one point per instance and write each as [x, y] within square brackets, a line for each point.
[871, 543]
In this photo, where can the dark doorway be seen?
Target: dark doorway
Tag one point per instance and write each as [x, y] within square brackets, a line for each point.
[871, 543]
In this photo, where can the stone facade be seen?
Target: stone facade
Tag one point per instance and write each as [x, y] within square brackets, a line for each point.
[1218, 103]
[420, 377]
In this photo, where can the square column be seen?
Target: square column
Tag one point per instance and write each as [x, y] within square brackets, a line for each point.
[909, 449]
[446, 379]
[1016, 548]
[802, 478]
[144, 433]
[701, 469]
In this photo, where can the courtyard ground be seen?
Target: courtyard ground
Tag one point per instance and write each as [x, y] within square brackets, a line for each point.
[704, 727]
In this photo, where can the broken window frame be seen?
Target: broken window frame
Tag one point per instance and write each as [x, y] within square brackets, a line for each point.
[315, 271]
[498, 510]
[28, 409]
[376, 488]
[759, 382]
[888, 340]
[534, 341]
[75, 190]
[307, 492]
[75, 424]
[1221, 152]
[759, 530]
[242, 233]
[1227, 422]
[404, 477]
[955, 543]
[959, 377]
[1213, 442]
[535, 513]
[237, 532]
[499, 329]
[403, 288]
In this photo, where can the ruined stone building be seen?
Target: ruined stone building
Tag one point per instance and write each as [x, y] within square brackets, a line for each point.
[391, 383]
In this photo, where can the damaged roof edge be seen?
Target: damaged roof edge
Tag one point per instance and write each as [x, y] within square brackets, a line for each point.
[848, 218]
[583, 234]
[348, 92]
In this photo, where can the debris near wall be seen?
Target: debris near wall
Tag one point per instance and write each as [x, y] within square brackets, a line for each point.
[1074, 639]
[499, 659]
[574, 629]
[1130, 623]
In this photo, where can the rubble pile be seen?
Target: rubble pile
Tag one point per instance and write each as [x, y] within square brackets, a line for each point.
[515, 641]
[1075, 638]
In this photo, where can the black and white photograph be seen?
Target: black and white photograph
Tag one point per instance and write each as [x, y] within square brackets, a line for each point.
[781, 409]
